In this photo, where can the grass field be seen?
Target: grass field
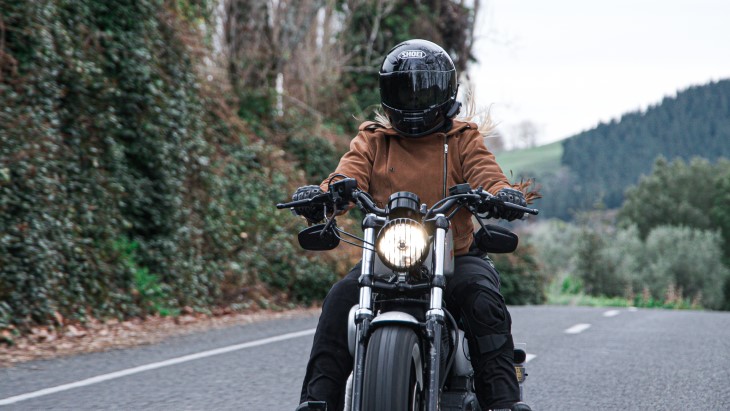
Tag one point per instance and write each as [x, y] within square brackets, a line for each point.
[534, 160]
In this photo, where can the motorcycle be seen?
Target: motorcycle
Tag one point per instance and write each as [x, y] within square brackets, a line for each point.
[409, 353]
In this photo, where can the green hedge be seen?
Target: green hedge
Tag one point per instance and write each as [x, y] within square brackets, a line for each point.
[127, 187]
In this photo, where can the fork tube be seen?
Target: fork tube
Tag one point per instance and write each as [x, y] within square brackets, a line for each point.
[364, 313]
[437, 290]
[366, 275]
[435, 315]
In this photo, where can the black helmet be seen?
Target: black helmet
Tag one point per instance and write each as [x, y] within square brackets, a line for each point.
[418, 87]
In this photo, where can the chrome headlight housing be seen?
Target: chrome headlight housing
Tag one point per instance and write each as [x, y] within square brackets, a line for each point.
[402, 244]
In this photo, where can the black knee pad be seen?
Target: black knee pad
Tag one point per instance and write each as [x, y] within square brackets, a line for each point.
[488, 322]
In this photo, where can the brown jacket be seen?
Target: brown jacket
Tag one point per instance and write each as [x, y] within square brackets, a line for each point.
[383, 163]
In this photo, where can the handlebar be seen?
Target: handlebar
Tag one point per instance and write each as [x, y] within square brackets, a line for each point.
[368, 204]
[468, 196]
[477, 196]
[326, 199]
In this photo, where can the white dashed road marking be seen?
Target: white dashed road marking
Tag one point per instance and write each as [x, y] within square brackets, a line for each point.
[152, 366]
[611, 313]
[577, 329]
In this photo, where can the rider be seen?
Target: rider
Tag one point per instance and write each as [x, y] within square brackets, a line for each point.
[423, 149]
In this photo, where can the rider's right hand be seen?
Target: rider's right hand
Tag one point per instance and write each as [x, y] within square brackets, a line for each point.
[313, 214]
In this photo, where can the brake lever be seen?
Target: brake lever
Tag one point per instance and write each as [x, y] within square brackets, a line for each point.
[319, 199]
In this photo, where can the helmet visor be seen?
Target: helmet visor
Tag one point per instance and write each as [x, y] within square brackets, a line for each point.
[417, 90]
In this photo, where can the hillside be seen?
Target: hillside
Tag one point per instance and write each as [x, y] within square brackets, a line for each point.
[594, 168]
[531, 161]
[612, 156]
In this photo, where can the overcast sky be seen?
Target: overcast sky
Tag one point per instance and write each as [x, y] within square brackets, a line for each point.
[567, 65]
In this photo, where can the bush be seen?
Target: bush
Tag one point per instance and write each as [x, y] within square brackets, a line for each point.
[686, 260]
[604, 262]
[316, 156]
[588, 255]
[678, 267]
[554, 243]
[521, 280]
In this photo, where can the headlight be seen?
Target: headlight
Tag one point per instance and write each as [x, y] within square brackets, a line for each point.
[401, 244]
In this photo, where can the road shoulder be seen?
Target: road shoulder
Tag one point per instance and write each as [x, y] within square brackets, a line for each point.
[96, 336]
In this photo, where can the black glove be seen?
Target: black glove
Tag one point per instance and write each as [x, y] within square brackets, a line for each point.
[313, 214]
[510, 195]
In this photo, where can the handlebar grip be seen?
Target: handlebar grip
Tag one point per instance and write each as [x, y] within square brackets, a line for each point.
[294, 204]
[533, 211]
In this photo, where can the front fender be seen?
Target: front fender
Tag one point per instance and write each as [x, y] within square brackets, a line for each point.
[389, 317]
[395, 317]
[352, 329]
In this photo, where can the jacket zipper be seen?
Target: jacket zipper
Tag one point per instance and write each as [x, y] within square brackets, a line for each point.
[446, 162]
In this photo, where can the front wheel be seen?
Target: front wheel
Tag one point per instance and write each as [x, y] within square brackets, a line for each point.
[392, 380]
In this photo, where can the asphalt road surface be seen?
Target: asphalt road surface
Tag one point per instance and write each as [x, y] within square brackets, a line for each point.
[580, 358]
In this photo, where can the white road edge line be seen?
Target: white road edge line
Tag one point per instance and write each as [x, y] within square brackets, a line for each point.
[611, 313]
[577, 329]
[152, 366]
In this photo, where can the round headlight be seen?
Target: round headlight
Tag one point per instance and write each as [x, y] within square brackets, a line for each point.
[401, 244]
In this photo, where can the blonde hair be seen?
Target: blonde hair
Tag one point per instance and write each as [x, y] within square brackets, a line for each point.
[472, 114]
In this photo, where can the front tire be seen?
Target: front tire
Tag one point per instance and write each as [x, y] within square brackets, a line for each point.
[392, 365]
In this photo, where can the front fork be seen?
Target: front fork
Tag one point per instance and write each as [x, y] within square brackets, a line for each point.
[364, 313]
[434, 316]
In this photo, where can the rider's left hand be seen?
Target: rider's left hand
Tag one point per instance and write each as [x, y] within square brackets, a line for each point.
[510, 195]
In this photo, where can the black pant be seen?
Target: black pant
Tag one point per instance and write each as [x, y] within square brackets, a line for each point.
[471, 295]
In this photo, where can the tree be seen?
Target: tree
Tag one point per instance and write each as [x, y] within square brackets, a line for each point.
[692, 196]
[260, 38]
[526, 134]
[680, 194]
[494, 141]
[327, 53]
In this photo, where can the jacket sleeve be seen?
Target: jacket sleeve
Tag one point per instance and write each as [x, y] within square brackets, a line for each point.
[357, 163]
[479, 165]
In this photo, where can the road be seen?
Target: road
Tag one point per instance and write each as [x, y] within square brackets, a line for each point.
[581, 358]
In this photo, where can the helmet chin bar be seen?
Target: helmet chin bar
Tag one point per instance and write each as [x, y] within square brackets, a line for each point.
[454, 110]
[409, 124]
[425, 133]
